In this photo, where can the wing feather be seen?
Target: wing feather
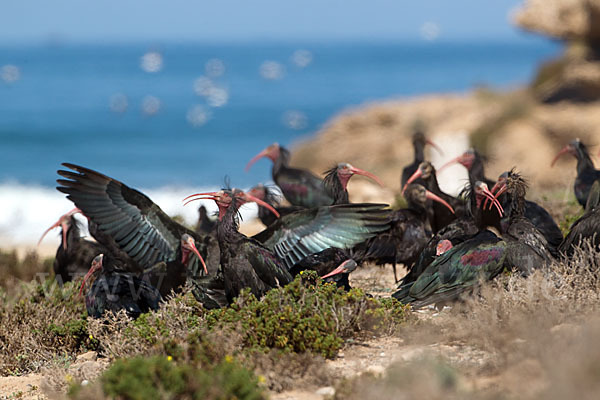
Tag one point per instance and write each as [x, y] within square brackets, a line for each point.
[137, 225]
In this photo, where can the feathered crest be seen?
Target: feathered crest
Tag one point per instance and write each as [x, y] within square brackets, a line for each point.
[226, 183]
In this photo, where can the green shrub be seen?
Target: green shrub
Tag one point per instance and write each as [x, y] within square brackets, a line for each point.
[306, 315]
[159, 377]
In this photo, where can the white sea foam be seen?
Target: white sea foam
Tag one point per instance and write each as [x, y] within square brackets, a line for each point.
[28, 210]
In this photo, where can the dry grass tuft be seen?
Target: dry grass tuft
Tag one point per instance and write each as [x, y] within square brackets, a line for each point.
[46, 325]
[516, 338]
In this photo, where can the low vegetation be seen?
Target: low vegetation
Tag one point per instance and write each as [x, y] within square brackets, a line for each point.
[515, 338]
[159, 377]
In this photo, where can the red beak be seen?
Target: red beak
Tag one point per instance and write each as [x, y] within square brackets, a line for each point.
[359, 171]
[96, 265]
[418, 173]
[339, 270]
[211, 196]
[63, 224]
[565, 150]
[249, 198]
[494, 201]
[264, 153]
[435, 146]
[439, 200]
[192, 245]
[449, 163]
[499, 188]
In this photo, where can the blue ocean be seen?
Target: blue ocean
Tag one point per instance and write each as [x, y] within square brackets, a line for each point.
[187, 115]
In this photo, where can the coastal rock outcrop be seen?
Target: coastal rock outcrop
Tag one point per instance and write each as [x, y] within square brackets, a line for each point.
[575, 75]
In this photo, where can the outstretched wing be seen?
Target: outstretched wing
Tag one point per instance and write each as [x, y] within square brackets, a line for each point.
[138, 226]
[310, 231]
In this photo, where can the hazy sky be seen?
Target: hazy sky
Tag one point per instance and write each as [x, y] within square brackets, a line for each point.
[227, 20]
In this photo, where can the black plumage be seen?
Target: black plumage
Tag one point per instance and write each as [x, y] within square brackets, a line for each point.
[74, 254]
[409, 232]
[439, 215]
[305, 232]
[109, 288]
[326, 262]
[456, 271]
[587, 227]
[473, 161]
[528, 248]
[299, 186]
[205, 224]
[129, 224]
[458, 231]
[418, 141]
[288, 241]
[245, 262]
[336, 181]
[587, 174]
[270, 196]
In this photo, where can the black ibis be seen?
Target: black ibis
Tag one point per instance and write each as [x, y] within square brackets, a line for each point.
[245, 262]
[419, 141]
[458, 231]
[440, 215]
[74, 254]
[210, 290]
[587, 227]
[331, 264]
[166, 276]
[136, 232]
[170, 276]
[537, 214]
[587, 174]
[473, 161]
[336, 181]
[294, 236]
[409, 231]
[109, 288]
[299, 186]
[455, 271]
[341, 274]
[528, 248]
[270, 196]
[205, 224]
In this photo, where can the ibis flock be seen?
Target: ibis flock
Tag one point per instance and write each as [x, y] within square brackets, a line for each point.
[449, 245]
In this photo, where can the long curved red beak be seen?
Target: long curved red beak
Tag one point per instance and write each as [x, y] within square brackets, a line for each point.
[418, 173]
[499, 188]
[435, 146]
[455, 160]
[339, 270]
[210, 196]
[264, 153]
[192, 246]
[494, 201]
[434, 197]
[249, 198]
[359, 171]
[565, 150]
[96, 265]
[62, 222]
